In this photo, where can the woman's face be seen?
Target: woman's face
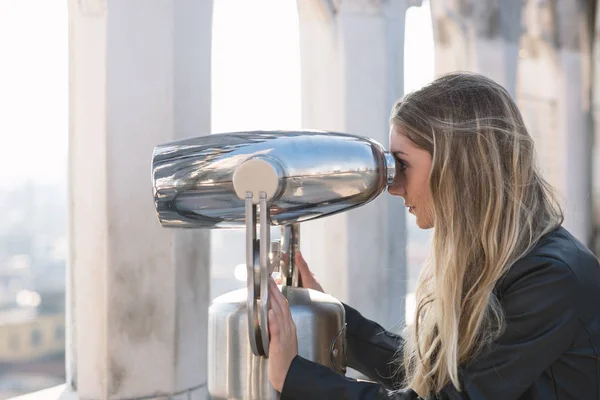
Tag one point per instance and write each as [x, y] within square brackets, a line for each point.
[412, 177]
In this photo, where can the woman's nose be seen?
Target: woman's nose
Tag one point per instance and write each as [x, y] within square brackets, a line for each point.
[397, 188]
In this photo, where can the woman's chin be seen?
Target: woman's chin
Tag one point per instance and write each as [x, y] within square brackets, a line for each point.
[423, 224]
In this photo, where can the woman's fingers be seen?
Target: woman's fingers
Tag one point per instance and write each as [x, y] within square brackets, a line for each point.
[283, 346]
[275, 292]
[274, 327]
[301, 263]
[276, 303]
[302, 266]
[307, 279]
[281, 302]
[275, 316]
[281, 311]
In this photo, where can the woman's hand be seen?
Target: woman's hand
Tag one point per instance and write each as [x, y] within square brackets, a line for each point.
[307, 279]
[283, 345]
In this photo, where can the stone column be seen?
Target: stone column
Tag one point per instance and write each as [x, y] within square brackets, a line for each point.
[478, 35]
[138, 293]
[352, 72]
[554, 94]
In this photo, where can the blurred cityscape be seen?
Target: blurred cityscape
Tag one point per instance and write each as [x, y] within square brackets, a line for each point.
[33, 253]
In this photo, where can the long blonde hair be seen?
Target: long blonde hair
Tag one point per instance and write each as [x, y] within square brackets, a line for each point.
[490, 207]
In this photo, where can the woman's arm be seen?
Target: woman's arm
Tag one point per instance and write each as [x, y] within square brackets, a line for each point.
[297, 378]
[372, 350]
[309, 380]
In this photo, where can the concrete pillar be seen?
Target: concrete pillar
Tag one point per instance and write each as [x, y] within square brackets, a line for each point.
[478, 35]
[554, 94]
[140, 75]
[352, 72]
[596, 137]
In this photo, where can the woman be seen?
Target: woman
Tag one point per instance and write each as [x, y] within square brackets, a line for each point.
[508, 304]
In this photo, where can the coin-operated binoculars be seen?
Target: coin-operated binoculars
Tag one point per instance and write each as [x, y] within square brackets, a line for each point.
[253, 180]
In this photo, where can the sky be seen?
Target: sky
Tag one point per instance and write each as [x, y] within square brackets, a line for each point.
[33, 90]
[256, 61]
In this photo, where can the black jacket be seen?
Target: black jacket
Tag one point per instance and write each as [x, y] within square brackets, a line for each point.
[550, 348]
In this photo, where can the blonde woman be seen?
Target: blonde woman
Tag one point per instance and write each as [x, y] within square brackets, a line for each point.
[508, 304]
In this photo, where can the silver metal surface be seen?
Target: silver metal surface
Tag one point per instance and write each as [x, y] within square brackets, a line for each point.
[323, 173]
[334, 352]
[252, 282]
[290, 243]
[235, 373]
[224, 181]
[275, 256]
[265, 245]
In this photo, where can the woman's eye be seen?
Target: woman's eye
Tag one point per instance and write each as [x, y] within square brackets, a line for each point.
[401, 164]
